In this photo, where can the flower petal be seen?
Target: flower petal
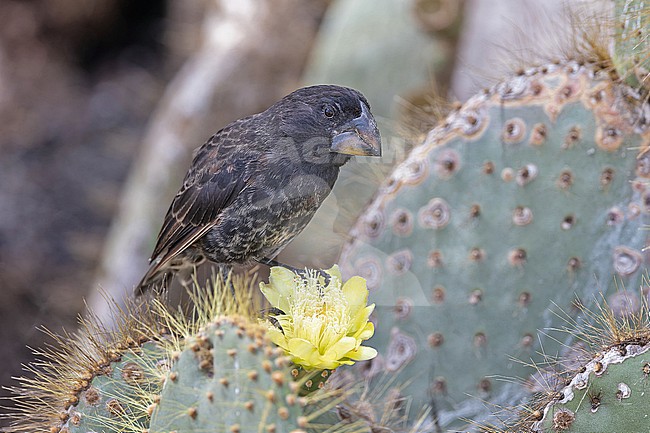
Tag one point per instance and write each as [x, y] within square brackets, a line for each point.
[356, 293]
[340, 349]
[334, 271]
[302, 348]
[360, 319]
[277, 337]
[331, 365]
[363, 353]
[365, 333]
[280, 288]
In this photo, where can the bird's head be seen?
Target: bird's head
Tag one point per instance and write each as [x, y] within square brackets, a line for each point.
[329, 123]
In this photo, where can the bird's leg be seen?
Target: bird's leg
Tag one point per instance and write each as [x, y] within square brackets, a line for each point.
[225, 272]
[302, 272]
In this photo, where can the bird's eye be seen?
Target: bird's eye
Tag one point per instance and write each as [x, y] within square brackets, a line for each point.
[328, 111]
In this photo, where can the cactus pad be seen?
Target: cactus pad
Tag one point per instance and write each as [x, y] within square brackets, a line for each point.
[229, 378]
[610, 394]
[528, 196]
[116, 401]
[631, 45]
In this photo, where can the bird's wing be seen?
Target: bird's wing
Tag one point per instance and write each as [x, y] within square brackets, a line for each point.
[219, 173]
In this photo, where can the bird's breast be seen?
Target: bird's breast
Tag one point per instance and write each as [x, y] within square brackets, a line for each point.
[267, 215]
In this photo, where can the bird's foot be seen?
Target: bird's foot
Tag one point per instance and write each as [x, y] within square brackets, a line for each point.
[269, 313]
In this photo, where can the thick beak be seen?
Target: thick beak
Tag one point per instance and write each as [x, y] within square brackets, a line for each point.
[359, 136]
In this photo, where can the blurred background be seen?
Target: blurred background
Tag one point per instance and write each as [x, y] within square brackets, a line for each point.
[103, 101]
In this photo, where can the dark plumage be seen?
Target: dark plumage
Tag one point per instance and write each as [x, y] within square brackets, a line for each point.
[255, 184]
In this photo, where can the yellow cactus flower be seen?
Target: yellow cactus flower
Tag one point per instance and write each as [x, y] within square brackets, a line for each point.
[323, 326]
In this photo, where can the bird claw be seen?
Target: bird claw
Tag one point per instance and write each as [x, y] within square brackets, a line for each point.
[272, 310]
[269, 313]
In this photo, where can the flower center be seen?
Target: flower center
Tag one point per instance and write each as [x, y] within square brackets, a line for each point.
[320, 314]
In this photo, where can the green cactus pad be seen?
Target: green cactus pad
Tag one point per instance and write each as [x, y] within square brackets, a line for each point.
[609, 395]
[117, 400]
[631, 44]
[229, 378]
[529, 195]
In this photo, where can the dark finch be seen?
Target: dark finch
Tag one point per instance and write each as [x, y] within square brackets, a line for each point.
[257, 182]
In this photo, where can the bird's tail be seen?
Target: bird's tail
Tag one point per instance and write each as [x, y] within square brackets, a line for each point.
[163, 269]
[155, 279]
